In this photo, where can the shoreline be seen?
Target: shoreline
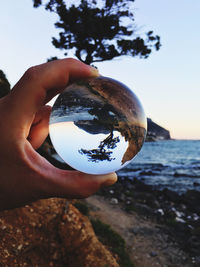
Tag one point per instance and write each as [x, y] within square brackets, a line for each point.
[177, 215]
[148, 243]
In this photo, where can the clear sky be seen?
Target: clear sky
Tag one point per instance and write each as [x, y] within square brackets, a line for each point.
[167, 83]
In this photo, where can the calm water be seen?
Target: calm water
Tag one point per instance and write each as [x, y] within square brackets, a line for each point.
[173, 164]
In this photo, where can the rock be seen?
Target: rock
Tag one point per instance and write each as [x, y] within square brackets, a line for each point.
[144, 231]
[156, 204]
[114, 201]
[171, 195]
[178, 219]
[160, 211]
[144, 209]
[122, 197]
[83, 247]
[156, 132]
[153, 254]
[195, 217]
[140, 186]
[196, 260]
[44, 234]
[192, 198]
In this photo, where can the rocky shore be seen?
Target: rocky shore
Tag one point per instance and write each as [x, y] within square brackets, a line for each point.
[160, 228]
[179, 215]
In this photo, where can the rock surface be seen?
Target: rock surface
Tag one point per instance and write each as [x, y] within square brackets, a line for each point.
[46, 233]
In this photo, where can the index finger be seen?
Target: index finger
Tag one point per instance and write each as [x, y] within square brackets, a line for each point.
[40, 83]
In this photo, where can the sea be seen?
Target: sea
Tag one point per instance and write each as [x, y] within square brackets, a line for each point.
[172, 164]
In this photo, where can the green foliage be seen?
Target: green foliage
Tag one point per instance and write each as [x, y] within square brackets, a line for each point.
[130, 208]
[4, 84]
[113, 240]
[82, 207]
[107, 236]
[37, 3]
[99, 30]
[171, 222]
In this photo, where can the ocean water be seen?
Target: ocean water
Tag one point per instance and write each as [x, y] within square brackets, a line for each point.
[172, 164]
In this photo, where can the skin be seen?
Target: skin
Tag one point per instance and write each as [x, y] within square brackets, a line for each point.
[25, 176]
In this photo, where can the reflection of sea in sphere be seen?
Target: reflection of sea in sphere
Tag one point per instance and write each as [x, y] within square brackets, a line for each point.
[97, 125]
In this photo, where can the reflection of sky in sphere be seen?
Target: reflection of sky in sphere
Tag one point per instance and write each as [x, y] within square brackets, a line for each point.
[69, 139]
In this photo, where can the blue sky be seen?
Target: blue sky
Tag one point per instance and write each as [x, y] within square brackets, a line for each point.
[168, 82]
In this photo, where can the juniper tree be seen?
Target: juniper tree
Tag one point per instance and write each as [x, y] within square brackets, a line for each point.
[4, 84]
[99, 30]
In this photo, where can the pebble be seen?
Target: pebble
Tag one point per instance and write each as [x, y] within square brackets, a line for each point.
[6, 253]
[153, 254]
[114, 201]
[33, 224]
[195, 217]
[161, 212]
[20, 247]
[3, 227]
[178, 219]
[179, 213]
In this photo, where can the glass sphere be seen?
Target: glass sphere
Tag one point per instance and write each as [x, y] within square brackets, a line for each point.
[97, 125]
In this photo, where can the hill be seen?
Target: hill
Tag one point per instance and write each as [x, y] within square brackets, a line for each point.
[156, 132]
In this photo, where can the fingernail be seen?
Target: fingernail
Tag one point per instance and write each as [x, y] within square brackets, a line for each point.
[94, 71]
[112, 179]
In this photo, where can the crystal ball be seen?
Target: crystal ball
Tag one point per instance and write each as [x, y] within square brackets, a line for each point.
[97, 125]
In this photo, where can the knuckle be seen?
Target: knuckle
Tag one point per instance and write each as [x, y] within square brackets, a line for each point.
[31, 73]
[71, 60]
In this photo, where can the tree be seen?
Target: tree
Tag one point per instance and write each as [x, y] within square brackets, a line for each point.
[99, 30]
[4, 84]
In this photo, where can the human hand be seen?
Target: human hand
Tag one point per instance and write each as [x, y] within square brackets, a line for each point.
[26, 176]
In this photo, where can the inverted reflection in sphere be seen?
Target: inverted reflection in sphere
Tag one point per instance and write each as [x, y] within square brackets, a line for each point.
[97, 125]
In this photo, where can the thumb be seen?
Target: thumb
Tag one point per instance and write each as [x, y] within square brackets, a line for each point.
[53, 182]
[74, 184]
[40, 127]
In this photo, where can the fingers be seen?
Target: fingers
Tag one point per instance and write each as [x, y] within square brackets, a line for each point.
[75, 184]
[50, 181]
[40, 127]
[40, 83]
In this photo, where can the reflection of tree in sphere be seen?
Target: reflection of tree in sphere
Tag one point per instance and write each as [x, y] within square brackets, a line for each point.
[97, 125]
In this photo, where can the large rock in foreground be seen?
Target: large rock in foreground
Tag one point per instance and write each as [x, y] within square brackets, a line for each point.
[46, 234]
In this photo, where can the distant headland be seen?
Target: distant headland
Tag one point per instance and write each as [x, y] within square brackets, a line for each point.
[155, 132]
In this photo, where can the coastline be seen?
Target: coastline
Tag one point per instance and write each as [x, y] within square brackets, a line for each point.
[167, 223]
[161, 227]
